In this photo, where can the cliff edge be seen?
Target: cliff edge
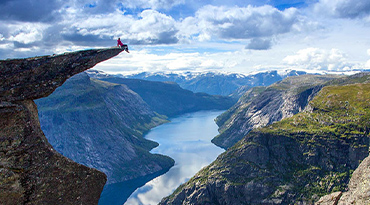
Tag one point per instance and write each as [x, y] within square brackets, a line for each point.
[31, 171]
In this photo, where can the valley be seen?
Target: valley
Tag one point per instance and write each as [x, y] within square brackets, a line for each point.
[298, 159]
[185, 102]
[263, 150]
[186, 139]
[101, 122]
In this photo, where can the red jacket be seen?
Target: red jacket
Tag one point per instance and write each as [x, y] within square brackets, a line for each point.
[119, 43]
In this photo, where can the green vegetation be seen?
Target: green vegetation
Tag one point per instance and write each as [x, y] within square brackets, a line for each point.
[337, 115]
[262, 106]
[321, 182]
[308, 155]
[337, 111]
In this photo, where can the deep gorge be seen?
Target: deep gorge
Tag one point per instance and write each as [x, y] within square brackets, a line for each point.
[311, 133]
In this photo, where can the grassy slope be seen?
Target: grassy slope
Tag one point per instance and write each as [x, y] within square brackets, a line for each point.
[339, 118]
[340, 114]
[265, 103]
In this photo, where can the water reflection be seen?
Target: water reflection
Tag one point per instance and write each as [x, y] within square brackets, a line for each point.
[117, 194]
[187, 139]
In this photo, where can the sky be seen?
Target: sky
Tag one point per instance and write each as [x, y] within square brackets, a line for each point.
[241, 36]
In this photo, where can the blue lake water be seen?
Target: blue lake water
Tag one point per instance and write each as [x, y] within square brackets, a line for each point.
[186, 139]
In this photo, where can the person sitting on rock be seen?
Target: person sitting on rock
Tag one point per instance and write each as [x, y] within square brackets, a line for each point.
[121, 45]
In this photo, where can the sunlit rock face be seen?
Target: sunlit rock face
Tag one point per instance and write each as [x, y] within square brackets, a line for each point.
[261, 106]
[31, 171]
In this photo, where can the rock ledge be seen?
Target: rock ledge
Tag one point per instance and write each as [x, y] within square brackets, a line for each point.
[31, 171]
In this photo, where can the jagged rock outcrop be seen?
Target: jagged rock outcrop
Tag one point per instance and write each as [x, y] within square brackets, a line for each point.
[358, 188]
[330, 199]
[262, 106]
[31, 171]
[293, 161]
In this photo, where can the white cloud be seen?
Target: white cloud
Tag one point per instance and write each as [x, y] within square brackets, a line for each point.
[108, 6]
[99, 24]
[233, 38]
[259, 44]
[29, 11]
[144, 61]
[239, 22]
[343, 8]
[319, 59]
[243, 61]
[151, 27]
[26, 33]
[6, 46]
[153, 4]
[154, 27]
[367, 65]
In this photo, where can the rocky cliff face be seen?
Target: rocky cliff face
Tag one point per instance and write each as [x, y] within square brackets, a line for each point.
[101, 125]
[261, 106]
[293, 161]
[31, 171]
[358, 188]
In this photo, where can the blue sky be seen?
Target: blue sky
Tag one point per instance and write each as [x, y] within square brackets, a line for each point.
[194, 35]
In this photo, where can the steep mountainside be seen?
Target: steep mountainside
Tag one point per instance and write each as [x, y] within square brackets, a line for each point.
[249, 95]
[294, 161]
[262, 106]
[170, 99]
[358, 188]
[31, 171]
[101, 125]
[216, 83]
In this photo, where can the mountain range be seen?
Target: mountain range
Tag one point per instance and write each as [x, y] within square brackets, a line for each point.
[213, 83]
[301, 139]
[251, 130]
[298, 159]
[168, 98]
